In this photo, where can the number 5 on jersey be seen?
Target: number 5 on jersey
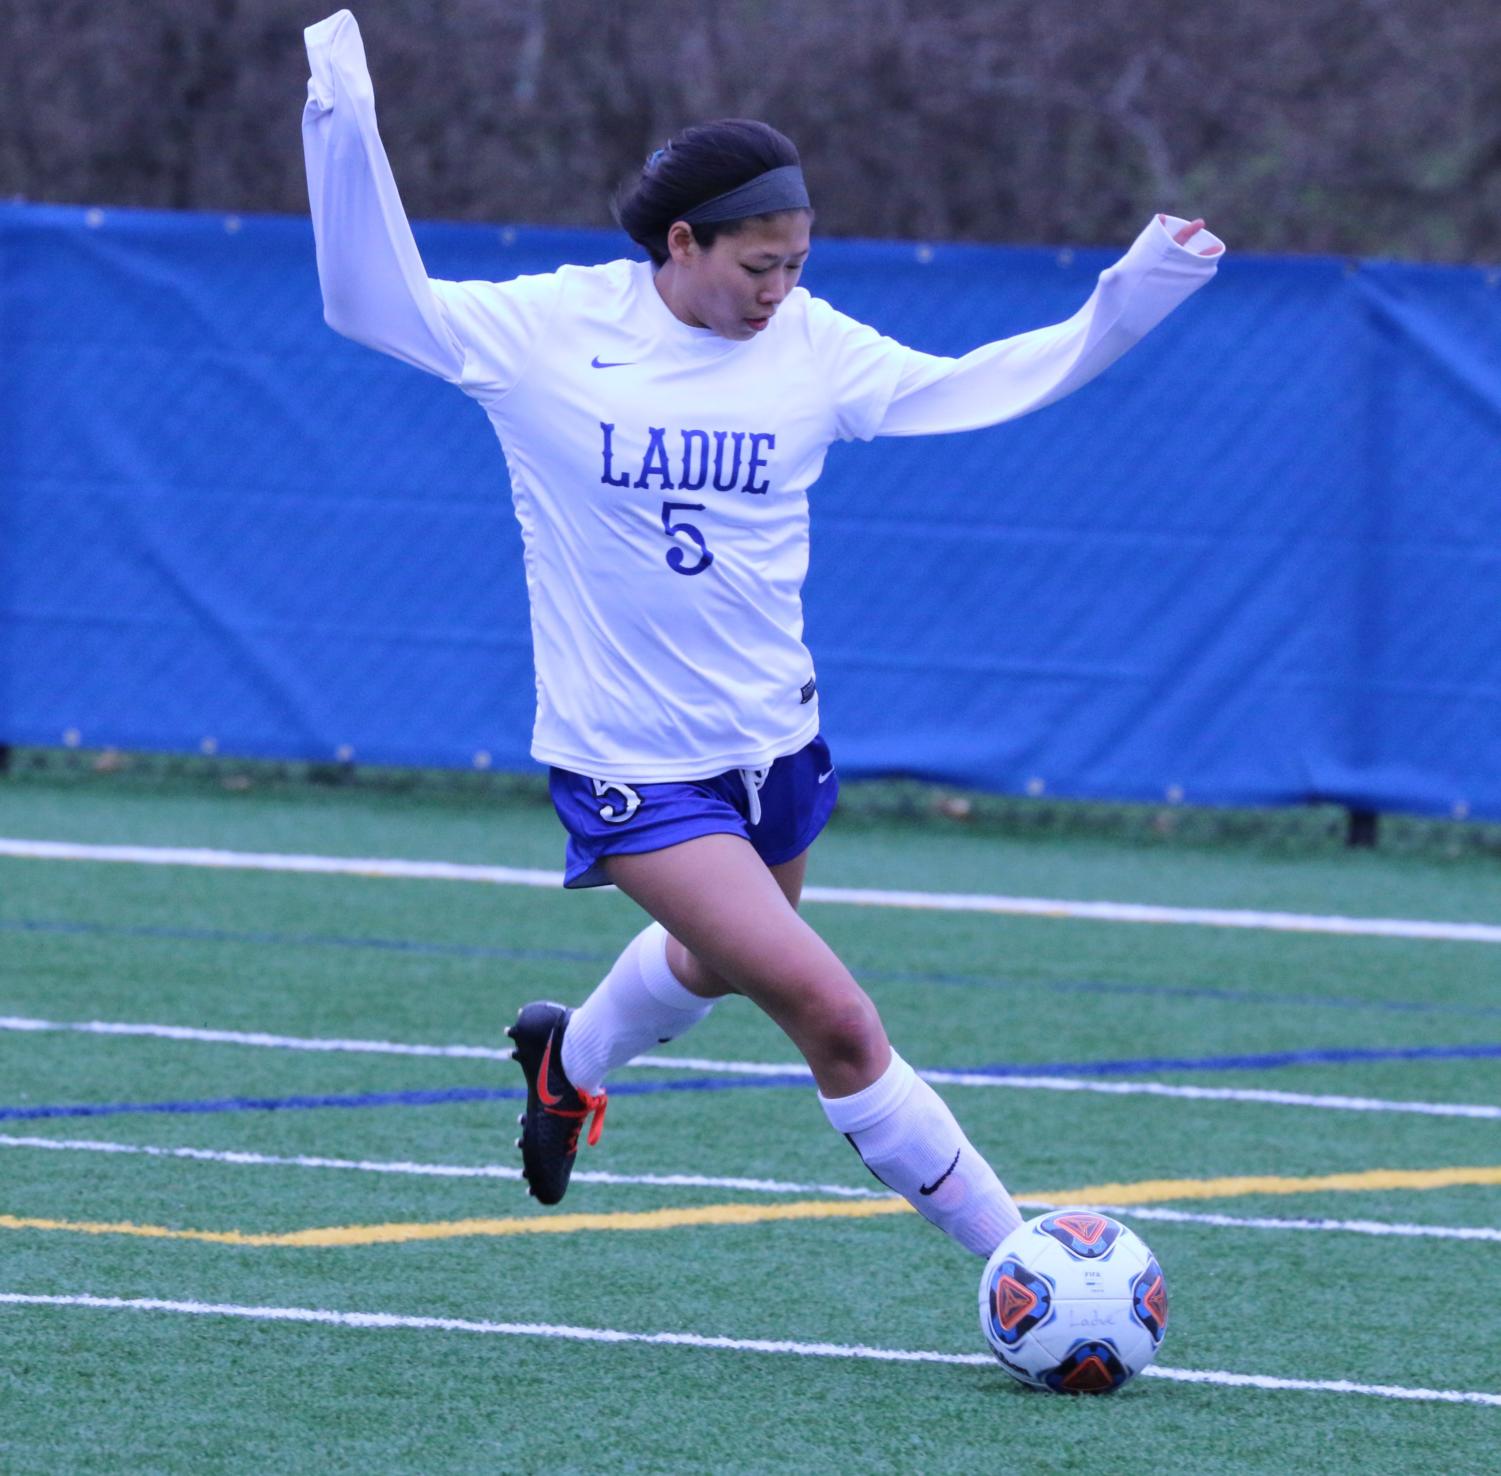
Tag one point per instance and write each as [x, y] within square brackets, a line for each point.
[676, 558]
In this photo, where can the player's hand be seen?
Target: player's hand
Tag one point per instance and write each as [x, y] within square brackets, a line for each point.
[1187, 233]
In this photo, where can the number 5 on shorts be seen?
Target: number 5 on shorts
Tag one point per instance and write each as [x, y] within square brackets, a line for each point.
[676, 558]
[630, 801]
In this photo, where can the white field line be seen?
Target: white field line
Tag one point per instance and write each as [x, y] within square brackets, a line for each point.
[258, 1038]
[1320, 1101]
[743, 1185]
[1264, 1096]
[1266, 1222]
[438, 1170]
[512, 876]
[1269, 1097]
[392, 1320]
[505, 876]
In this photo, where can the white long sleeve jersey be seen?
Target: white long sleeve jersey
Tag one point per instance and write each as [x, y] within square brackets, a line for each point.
[659, 472]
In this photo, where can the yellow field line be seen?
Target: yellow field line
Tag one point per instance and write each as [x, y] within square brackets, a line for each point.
[1150, 1191]
[394, 1234]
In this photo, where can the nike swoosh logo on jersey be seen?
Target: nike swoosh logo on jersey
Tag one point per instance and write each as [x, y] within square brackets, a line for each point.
[934, 1186]
[597, 363]
[824, 778]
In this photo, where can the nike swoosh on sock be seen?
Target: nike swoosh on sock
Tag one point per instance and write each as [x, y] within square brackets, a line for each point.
[937, 1183]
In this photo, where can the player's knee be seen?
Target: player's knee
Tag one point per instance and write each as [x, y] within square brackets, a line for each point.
[845, 1032]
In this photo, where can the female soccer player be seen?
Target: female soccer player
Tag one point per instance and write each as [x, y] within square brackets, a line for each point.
[662, 421]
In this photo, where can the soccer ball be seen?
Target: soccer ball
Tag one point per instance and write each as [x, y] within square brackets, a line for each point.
[1074, 1302]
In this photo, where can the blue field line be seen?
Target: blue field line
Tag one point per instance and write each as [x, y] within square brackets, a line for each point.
[1250, 1062]
[440, 1097]
[262, 1104]
[1217, 993]
[603, 960]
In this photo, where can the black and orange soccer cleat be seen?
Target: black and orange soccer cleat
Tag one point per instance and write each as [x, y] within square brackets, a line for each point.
[555, 1108]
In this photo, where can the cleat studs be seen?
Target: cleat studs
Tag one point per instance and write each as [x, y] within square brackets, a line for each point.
[521, 1119]
[518, 1142]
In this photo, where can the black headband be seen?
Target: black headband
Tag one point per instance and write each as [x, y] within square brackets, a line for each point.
[777, 189]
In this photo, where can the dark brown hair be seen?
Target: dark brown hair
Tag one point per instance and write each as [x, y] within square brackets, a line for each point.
[698, 164]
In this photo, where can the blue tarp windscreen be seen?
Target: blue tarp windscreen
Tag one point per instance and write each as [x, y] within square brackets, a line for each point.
[1258, 562]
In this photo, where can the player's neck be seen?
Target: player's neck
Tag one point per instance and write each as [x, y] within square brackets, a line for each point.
[668, 281]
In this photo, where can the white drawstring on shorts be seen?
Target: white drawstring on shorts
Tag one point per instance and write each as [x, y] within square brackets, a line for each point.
[753, 779]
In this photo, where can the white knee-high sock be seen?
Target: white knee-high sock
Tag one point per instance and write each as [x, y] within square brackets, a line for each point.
[909, 1140]
[639, 1004]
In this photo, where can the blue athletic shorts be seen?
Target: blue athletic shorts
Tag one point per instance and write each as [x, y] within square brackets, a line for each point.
[779, 810]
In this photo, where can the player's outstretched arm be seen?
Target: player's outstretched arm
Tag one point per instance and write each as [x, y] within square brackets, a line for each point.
[375, 289]
[1167, 263]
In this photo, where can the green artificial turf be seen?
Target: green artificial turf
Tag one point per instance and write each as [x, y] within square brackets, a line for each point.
[88, 1390]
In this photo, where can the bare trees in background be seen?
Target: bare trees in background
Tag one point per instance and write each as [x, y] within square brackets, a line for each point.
[1366, 127]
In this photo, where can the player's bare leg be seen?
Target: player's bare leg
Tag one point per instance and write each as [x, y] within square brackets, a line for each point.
[696, 975]
[654, 992]
[721, 904]
[737, 927]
